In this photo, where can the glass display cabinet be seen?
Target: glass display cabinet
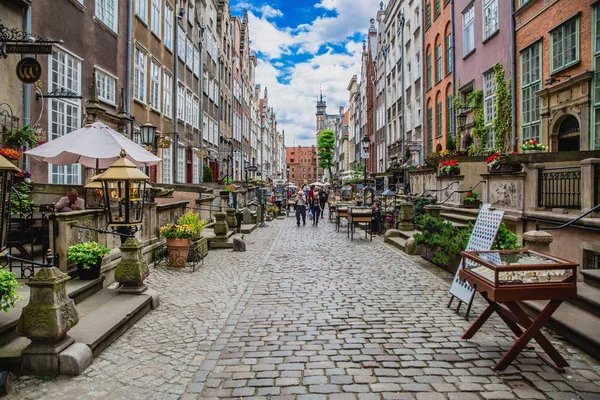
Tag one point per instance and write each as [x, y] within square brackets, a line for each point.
[360, 215]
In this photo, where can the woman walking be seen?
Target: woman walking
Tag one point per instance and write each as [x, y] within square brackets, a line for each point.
[315, 206]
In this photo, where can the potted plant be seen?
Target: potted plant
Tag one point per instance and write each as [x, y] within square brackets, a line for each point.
[21, 138]
[532, 146]
[8, 290]
[449, 168]
[178, 243]
[196, 225]
[88, 258]
[502, 163]
[273, 210]
[226, 190]
[471, 199]
[10, 154]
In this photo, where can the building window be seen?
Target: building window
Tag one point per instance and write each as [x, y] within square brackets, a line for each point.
[417, 65]
[489, 106]
[449, 53]
[490, 18]
[429, 130]
[156, 20]
[139, 79]
[167, 162]
[428, 14]
[469, 30]
[196, 67]
[189, 60]
[596, 79]
[141, 9]
[180, 43]
[195, 169]
[107, 13]
[438, 8]
[66, 70]
[106, 87]
[450, 116]
[188, 107]
[531, 74]
[195, 113]
[565, 45]
[438, 63]
[181, 165]
[429, 84]
[167, 93]
[155, 85]
[180, 101]
[168, 27]
[438, 119]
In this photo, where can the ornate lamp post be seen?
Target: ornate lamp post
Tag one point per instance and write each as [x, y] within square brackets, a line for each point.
[7, 169]
[124, 188]
[366, 142]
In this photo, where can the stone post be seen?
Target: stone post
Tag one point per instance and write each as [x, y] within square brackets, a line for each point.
[221, 228]
[537, 241]
[433, 210]
[133, 268]
[406, 216]
[259, 213]
[588, 184]
[231, 221]
[45, 320]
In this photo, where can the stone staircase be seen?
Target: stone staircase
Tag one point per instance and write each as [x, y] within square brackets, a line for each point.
[578, 319]
[104, 315]
[399, 242]
[459, 217]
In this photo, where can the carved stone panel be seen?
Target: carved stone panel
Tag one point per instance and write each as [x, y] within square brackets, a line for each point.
[506, 194]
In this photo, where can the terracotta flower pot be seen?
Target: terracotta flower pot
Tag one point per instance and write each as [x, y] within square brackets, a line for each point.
[178, 250]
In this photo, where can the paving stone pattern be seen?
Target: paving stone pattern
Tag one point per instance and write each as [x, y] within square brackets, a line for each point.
[305, 313]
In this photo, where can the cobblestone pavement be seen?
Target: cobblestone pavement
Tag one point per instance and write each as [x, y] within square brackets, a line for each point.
[157, 357]
[308, 314]
[327, 318]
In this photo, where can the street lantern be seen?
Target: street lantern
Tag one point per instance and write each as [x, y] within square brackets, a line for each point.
[389, 202]
[94, 194]
[148, 135]
[124, 188]
[7, 169]
[366, 142]
[461, 119]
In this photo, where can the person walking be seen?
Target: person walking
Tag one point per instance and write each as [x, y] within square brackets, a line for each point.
[315, 207]
[323, 200]
[300, 208]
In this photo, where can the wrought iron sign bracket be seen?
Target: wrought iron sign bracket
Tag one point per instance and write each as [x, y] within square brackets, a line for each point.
[16, 36]
[59, 93]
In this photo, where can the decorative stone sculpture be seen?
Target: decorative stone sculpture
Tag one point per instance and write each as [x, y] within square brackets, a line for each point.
[45, 320]
[537, 241]
[133, 268]
[410, 247]
[433, 210]
[221, 228]
[406, 216]
[247, 216]
[231, 221]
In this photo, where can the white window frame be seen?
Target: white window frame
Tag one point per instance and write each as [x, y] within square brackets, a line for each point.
[196, 66]
[530, 84]
[141, 10]
[205, 120]
[188, 106]
[490, 18]
[156, 18]
[139, 81]
[168, 38]
[181, 164]
[195, 169]
[167, 164]
[189, 54]
[107, 86]
[559, 40]
[167, 93]
[181, 43]
[111, 20]
[155, 79]
[180, 101]
[196, 113]
[468, 18]
[489, 105]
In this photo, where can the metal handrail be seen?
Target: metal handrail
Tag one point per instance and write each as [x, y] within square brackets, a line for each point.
[569, 223]
[436, 190]
[461, 191]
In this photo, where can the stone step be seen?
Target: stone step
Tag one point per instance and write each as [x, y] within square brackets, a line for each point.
[77, 289]
[397, 242]
[407, 234]
[463, 218]
[588, 298]
[591, 277]
[574, 324]
[103, 317]
[248, 228]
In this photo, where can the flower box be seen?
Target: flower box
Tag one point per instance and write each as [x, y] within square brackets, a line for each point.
[505, 169]
[472, 203]
[452, 172]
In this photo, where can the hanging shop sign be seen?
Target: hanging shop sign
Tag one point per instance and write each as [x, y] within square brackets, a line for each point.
[29, 70]
[28, 48]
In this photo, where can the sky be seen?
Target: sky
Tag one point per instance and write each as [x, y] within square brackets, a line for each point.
[302, 46]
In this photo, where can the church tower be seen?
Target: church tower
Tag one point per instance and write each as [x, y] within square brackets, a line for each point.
[321, 113]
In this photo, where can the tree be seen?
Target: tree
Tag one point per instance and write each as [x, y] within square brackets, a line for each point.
[207, 174]
[325, 150]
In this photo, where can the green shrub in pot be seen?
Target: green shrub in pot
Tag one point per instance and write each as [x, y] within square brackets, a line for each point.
[86, 254]
[8, 290]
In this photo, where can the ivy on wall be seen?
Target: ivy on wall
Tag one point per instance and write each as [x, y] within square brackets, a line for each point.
[502, 122]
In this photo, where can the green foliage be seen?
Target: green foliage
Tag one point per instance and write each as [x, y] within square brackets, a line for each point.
[192, 220]
[442, 236]
[325, 149]
[451, 143]
[207, 174]
[21, 203]
[420, 204]
[502, 122]
[474, 101]
[86, 254]
[175, 231]
[227, 189]
[227, 180]
[506, 240]
[471, 195]
[21, 138]
[8, 290]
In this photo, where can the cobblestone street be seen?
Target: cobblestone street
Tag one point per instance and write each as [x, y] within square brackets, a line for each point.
[306, 313]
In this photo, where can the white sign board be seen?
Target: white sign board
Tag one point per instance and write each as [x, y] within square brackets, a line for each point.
[482, 238]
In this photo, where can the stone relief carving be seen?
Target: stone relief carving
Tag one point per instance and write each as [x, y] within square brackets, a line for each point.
[505, 194]
[564, 96]
[85, 235]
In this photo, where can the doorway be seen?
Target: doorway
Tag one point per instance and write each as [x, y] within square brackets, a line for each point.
[569, 134]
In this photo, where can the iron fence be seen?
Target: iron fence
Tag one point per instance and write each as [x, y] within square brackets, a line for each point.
[559, 187]
[591, 260]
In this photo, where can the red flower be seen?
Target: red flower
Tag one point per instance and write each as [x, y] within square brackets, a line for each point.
[468, 194]
[534, 141]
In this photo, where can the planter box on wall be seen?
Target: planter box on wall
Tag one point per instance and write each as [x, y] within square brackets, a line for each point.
[506, 169]
[472, 203]
[429, 254]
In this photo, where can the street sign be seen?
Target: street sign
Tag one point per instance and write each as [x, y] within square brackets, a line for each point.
[252, 168]
[29, 48]
[29, 70]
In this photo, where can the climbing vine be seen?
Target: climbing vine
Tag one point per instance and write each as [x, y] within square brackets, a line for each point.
[474, 101]
[502, 122]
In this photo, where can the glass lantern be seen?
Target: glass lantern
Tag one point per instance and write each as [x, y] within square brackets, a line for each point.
[124, 188]
[94, 194]
[7, 169]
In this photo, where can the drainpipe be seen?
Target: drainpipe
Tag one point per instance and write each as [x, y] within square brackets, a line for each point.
[513, 76]
[201, 45]
[127, 102]
[403, 136]
[27, 87]
[452, 21]
[175, 92]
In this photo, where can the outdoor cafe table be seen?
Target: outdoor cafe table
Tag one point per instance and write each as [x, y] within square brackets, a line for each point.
[340, 212]
[360, 215]
[505, 277]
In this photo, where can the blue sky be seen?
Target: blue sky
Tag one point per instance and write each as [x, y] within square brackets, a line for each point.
[304, 45]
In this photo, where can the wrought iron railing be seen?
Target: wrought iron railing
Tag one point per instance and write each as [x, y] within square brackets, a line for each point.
[461, 191]
[559, 187]
[591, 259]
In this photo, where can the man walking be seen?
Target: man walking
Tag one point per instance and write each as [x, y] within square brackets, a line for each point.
[300, 208]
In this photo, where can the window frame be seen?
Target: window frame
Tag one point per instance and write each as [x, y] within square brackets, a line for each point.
[167, 164]
[554, 69]
[490, 4]
[155, 85]
[468, 26]
[142, 6]
[429, 130]
[167, 106]
[168, 31]
[140, 71]
[156, 18]
[428, 15]
[530, 86]
[438, 119]
[103, 16]
[438, 63]
[429, 72]
[102, 88]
